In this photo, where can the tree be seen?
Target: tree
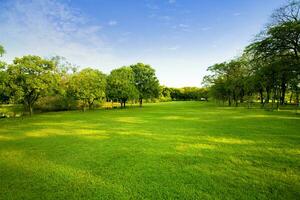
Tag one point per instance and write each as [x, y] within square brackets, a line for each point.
[165, 94]
[4, 92]
[3, 78]
[64, 91]
[121, 85]
[146, 81]
[279, 51]
[287, 13]
[2, 50]
[31, 76]
[228, 78]
[88, 85]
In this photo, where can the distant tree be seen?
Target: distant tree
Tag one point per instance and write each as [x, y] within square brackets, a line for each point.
[2, 50]
[4, 92]
[30, 77]
[165, 94]
[121, 85]
[175, 94]
[232, 77]
[88, 85]
[146, 81]
[187, 93]
[3, 78]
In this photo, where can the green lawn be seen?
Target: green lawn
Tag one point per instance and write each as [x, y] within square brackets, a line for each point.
[178, 150]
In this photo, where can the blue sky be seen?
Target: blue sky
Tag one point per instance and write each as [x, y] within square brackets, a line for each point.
[179, 38]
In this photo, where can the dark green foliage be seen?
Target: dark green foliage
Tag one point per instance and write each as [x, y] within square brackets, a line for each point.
[189, 94]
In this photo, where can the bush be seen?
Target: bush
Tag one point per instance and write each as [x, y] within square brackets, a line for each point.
[11, 110]
[55, 103]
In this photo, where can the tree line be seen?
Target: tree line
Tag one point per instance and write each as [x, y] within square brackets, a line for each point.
[55, 84]
[183, 94]
[30, 79]
[269, 68]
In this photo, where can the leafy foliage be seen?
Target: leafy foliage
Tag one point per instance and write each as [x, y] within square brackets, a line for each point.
[121, 85]
[88, 85]
[30, 77]
[146, 81]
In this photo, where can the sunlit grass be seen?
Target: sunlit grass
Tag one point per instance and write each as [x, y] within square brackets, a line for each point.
[178, 150]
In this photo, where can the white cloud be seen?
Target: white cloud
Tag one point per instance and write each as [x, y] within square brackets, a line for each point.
[112, 23]
[172, 48]
[183, 26]
[205, 28]
[165, 18]
[48, 28]
[152, 6]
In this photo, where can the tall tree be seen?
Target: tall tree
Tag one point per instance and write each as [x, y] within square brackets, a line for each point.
[278, 48]
[146, 81]
[31, 76]
[121, 85]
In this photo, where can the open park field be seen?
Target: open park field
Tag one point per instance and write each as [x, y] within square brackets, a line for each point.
[176, 150]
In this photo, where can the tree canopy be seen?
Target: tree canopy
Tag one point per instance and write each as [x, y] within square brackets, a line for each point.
[30, 77]
[121, 85]
[88, 85]
[146, 81]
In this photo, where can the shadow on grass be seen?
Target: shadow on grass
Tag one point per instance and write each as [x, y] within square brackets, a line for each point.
[88, 169]
[154, 154]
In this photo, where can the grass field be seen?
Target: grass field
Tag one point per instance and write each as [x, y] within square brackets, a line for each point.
[178, 150]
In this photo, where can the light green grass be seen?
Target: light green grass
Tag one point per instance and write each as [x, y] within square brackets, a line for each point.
[178, 150]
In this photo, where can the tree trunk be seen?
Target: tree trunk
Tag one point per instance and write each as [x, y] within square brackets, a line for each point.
[283, 90]
[91, 103]
[242, 96]
[229, 101]
[268, 95]
[273, 100]
[297, 101]
[141, 102]
[291, 97]
[261, 96]
[30, 109]
[278, 101]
